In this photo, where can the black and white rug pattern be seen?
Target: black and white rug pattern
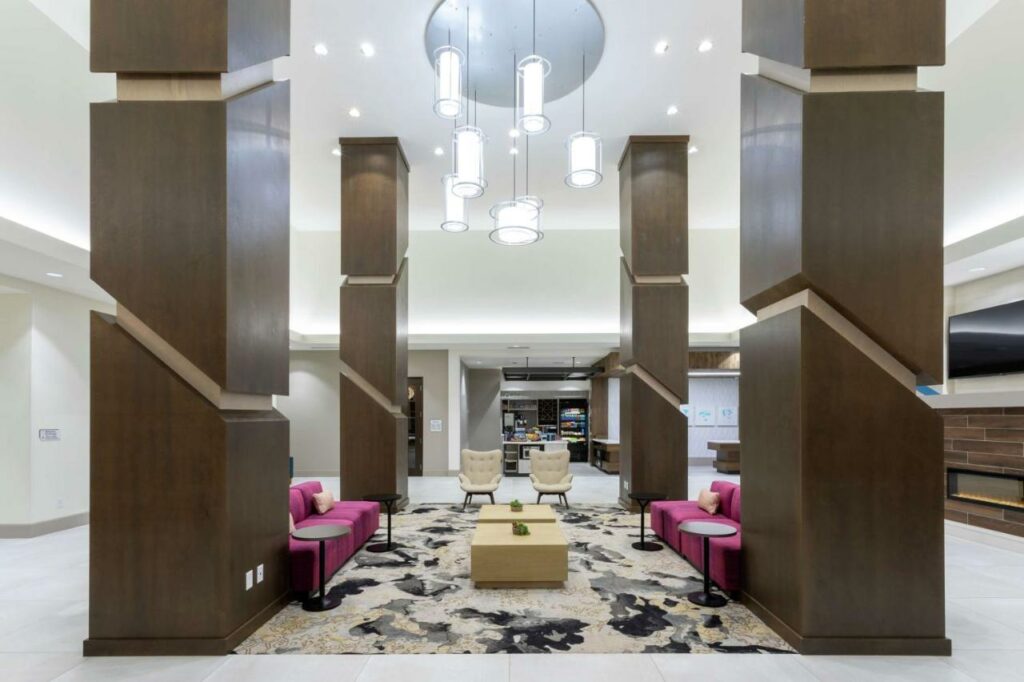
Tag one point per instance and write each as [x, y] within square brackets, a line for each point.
[419, 599]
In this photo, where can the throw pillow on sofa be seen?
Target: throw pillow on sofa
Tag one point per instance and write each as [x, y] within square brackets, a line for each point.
[709, 501]
[323, 502]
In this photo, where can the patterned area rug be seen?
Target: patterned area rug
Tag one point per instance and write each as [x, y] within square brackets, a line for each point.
[419, 599]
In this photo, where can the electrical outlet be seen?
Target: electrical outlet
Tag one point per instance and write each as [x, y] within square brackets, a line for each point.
[248, 580]
[625, 484]
[259, 573]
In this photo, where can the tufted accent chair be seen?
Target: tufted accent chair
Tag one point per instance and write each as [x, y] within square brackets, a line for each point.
[480, 474]
[550, 474]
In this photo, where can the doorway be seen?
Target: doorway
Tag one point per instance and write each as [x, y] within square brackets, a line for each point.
[415, 426]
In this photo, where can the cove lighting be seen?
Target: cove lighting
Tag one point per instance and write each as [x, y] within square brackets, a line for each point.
[320, 49]
[367, 50]
[705, 46]
[661, 47]
[354, 113]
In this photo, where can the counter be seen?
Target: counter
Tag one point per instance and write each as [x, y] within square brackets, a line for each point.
[515, 456]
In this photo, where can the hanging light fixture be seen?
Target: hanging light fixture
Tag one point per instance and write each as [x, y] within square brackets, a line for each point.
[585, 149]
[532, 73]
[448, 81]
[532, 199]
[468, 147]
[516, 220]
[454, 207]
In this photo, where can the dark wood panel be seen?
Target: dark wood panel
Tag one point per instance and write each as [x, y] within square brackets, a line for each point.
[187, 36]
[653, 443]
[817, 213]
[846, 34]
[190, 228]
[374, 446]
[374, 206]
[183, 499]
[655, 328]
[374, 334]
[653, 205]
[861, 452]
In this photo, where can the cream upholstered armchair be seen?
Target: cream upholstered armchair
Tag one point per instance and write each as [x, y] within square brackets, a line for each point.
[481, 474]
[550, 473]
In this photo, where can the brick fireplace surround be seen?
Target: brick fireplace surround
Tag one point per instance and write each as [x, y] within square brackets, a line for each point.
[985, 439]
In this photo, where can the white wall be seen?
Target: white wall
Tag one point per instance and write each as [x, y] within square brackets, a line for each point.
[432, 365]
[15, 407]
[1005, 287]
[313, 410]
[711, 393]
[57, 397]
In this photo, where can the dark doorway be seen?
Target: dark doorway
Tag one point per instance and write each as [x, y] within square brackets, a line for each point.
[415, 426]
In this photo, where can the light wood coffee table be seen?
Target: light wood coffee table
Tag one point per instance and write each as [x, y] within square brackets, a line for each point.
[503, 560]
[502, 513]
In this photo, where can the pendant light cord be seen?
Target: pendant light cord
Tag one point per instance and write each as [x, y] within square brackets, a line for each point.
[469, 78]
[515, 141]
[583, 78]
[535, 26]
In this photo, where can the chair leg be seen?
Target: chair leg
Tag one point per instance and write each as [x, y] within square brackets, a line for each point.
[465, 501]
[538, 497]
[491, 495]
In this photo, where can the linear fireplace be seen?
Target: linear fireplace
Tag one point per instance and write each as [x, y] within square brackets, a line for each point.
[1005, 491]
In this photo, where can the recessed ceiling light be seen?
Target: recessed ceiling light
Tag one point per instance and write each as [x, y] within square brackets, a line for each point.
[438, 151]
[693, 149]
[336, 151]
[513, 151]
[367, 49]
[320, 49]
[354, 113]
[519, 348]
[978, 269]
[672, 110]
[705, 46]
[55, 275]
[661, 47]
[513, 133]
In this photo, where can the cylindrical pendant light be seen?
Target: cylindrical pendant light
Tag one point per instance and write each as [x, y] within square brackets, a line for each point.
[532, 199]
[468, 152]
[516, 220]
[585, 150]
[454, 208]
[532, 72]
[448, 81]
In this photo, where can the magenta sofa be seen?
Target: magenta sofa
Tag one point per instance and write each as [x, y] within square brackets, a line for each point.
[363, 517]
[725, 552]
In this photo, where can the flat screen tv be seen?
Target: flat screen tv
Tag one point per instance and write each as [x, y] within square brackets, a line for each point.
[987, 342]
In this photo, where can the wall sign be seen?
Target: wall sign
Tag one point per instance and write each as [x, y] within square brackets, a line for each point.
[436, 426]
[49, 434]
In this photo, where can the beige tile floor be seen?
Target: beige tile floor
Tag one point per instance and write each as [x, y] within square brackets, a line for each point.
[43, 620]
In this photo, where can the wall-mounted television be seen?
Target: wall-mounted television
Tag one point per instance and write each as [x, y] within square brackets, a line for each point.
[987, 342]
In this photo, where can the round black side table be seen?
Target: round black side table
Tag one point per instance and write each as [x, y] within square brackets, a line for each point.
[388, 499]
[707, 530]
[321, 534]
[644, 499]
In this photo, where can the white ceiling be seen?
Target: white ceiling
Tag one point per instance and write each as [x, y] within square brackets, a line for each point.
[44, 171]
[628, 94]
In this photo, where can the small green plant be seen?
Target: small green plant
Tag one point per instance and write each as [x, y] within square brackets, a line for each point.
[516, 505]
[519, 528]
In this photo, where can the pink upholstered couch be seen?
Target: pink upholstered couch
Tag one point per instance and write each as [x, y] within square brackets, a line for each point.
[725, 552]
[363, 517]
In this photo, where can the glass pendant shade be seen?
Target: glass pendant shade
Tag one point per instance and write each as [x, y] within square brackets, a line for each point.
[584, 160]
[514, 223]
[468, 152]
[448, 82]
[536, 201]
[532, 73]
[454, 208]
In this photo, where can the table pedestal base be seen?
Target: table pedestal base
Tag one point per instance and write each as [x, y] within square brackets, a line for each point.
[318, 603]
[648, 546]
[380, 547]
[707, 599]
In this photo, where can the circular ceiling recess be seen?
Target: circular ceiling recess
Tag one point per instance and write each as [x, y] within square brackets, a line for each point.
[501, 29]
